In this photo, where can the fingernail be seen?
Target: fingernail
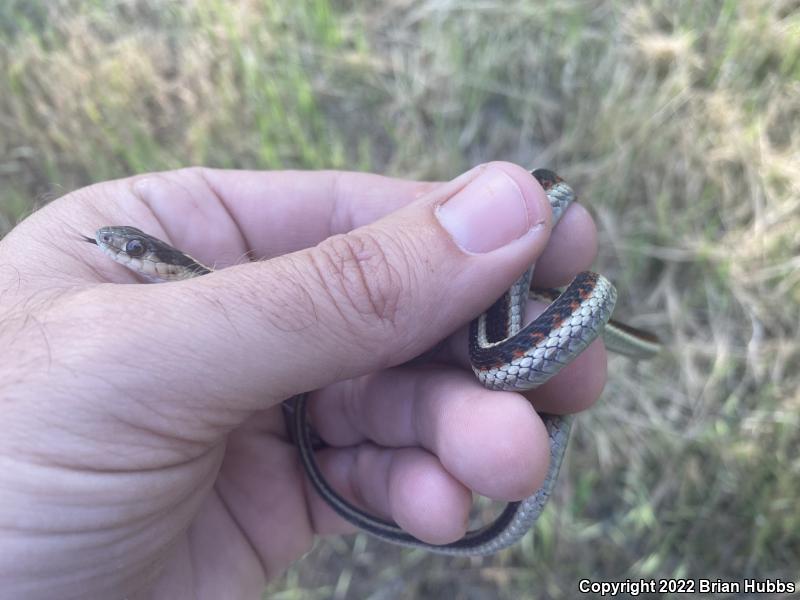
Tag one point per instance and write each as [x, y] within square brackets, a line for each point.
[490, 212]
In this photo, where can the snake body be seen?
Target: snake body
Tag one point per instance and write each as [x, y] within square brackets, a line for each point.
[505, 354]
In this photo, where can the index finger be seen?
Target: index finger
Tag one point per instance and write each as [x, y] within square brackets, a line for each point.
[217, 216]
[267, 213]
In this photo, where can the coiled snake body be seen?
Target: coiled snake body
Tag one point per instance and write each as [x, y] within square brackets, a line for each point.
[505, 355]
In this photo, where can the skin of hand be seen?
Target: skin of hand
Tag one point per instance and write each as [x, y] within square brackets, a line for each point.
[144, 453]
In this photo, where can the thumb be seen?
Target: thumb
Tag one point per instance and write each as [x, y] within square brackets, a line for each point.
[355, 303]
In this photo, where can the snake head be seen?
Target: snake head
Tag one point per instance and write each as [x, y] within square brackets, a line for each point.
[144, 254]
[119, 240]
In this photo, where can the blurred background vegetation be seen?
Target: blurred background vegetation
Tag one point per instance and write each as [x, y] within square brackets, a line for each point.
[678, 122]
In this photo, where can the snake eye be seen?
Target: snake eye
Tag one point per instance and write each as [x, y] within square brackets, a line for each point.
[134, 248]
[105, 238]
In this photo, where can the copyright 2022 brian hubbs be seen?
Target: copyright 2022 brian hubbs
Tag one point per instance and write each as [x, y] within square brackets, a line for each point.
[634, 587]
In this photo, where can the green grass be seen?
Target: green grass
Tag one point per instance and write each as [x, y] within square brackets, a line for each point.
[676, 121]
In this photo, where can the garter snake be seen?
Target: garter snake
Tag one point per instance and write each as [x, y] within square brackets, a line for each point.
[505, 354]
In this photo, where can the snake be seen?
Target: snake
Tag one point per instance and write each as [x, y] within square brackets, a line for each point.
[505, 354]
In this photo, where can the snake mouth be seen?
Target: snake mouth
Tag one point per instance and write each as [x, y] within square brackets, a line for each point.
[91, 240]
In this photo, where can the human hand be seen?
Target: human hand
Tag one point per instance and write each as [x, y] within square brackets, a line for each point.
[144, 449]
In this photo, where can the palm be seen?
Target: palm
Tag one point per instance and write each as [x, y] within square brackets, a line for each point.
[256, 511]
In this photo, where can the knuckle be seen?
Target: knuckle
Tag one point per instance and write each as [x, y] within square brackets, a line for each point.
[366, 276]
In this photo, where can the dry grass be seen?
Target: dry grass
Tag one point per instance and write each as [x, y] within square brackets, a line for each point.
[676, 120]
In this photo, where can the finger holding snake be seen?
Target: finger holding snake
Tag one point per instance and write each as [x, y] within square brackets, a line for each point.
[181, 375]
